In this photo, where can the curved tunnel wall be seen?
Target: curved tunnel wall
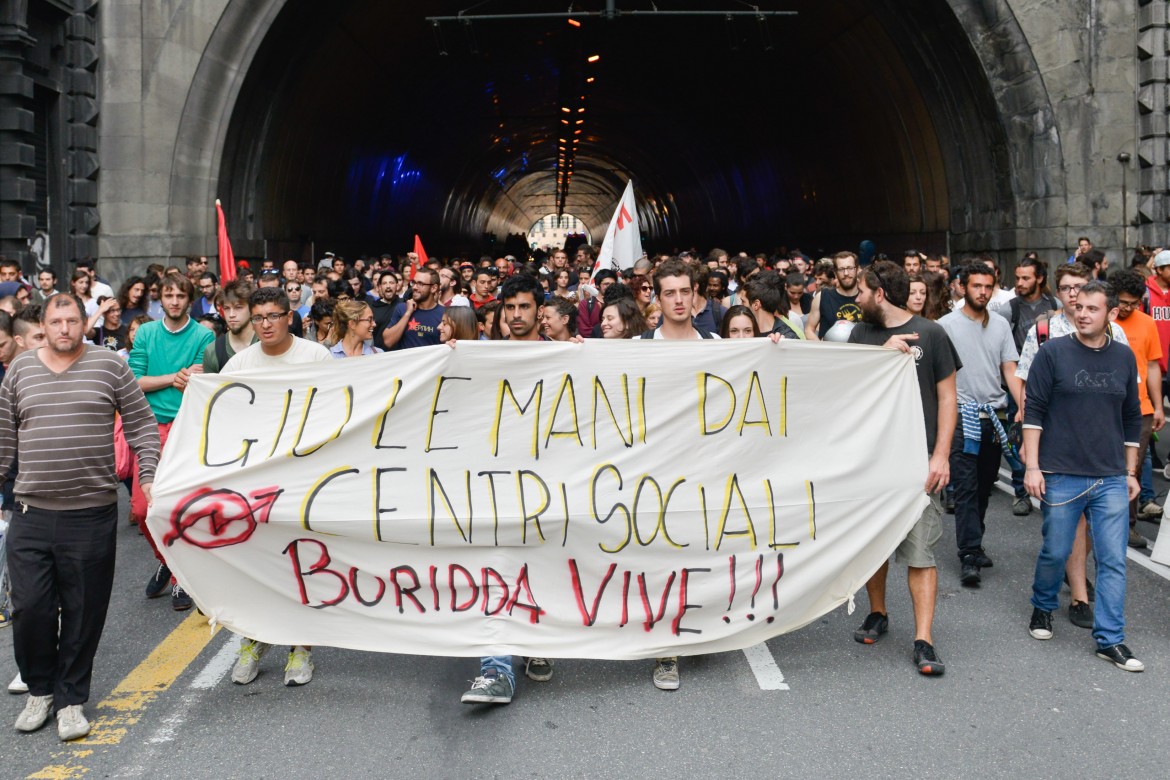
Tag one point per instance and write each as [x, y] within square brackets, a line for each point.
[865, 119]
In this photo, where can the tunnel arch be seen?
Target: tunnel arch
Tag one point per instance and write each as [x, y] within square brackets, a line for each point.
[915, 121]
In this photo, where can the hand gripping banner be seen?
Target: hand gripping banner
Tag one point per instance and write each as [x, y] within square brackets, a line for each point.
[614, 500]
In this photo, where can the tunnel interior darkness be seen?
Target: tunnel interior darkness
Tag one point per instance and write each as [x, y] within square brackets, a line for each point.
[854, 119]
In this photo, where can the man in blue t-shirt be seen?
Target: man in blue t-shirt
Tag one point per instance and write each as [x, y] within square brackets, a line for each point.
[1082, 422]
[415, 323]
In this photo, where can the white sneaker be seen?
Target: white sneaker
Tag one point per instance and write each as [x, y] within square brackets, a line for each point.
[248, 664]
[71, 723]
[665, 674]
[299, 669]
[18, 685]
[35, 713]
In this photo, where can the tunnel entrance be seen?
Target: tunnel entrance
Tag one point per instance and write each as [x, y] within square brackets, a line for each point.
[555, 231]
[360, 124]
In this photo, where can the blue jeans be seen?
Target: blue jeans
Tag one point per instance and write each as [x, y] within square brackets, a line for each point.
[1147, 495]
[502, 664]
[1017, 474]
[1105, 504]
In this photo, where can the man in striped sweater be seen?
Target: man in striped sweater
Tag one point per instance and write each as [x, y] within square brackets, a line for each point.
[61, 540]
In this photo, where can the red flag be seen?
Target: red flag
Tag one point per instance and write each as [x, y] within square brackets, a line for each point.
[227, 260]
[420, 256]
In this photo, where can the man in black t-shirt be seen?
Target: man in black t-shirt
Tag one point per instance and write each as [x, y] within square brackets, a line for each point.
[831, 306]
[883, 290]
[383, 308]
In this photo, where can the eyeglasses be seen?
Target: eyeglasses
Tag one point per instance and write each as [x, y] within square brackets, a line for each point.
[368, 320]
[1070, 288]
[295, 288]
[1122, 304]
[274, 317]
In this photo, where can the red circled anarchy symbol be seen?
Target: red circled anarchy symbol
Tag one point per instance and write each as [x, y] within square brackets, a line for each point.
[210, 518]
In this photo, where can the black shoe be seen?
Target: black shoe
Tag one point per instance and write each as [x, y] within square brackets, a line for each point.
[1080, 614]
[539, 669]
[1041, 625]
[180, 601]
[872, 629]
[982, 561]
[926, 659]
[969, 575]
[1022, 507]
[1136, 540]
[1121, 657]
[157, 585]
[949, 504]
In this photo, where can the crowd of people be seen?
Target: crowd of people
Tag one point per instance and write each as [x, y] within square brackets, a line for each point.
[1042, 376]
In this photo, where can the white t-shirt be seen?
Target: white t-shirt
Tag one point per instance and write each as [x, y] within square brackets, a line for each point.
[658, 334]
[301, 351]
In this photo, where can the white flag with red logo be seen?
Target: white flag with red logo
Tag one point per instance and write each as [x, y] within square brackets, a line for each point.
[622, 246]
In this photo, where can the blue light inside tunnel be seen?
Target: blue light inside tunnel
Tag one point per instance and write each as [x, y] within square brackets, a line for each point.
[382, 185]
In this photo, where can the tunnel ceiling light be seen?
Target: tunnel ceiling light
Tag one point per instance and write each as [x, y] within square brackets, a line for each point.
[581, 110]
[577, 131]
[574, 23]
[593, 58]
[589, 80]
[564, 121]
[566, 109]
[580, 121]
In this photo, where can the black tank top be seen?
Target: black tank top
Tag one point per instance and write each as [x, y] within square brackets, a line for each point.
[835, 306]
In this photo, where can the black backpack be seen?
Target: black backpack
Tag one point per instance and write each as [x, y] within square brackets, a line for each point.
[221, 353]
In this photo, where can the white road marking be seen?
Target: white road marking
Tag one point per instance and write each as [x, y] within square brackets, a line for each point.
[1144, 560]
[170, 725]
[768, 674]
[208, 677]
[218, 666]
[1140, 559]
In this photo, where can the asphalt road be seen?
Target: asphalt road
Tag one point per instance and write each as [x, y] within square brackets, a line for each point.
[1008, 705]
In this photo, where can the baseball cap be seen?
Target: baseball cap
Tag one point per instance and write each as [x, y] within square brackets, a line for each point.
[1162, 258]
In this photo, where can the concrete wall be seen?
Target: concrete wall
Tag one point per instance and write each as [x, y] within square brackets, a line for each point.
[1064, 74]
[170, 73]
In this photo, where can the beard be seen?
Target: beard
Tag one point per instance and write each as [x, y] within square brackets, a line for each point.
[974, 306]
[873, 316]
[69, 350]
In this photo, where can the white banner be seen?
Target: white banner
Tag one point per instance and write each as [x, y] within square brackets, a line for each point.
[616, 500]
[622, 245]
